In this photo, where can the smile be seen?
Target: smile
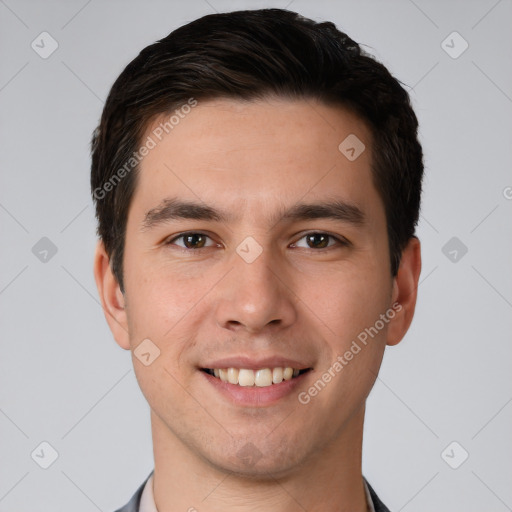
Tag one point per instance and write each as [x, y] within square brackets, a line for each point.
[263, 377]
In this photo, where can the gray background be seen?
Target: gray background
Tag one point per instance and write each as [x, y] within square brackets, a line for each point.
[66, 382]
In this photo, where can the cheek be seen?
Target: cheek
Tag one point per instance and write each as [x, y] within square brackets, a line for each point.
[157, 298]
[165, 390]
[351, 310]
[348, 301]
[162, 307]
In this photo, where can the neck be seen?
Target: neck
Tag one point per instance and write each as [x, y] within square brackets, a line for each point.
[328, 481]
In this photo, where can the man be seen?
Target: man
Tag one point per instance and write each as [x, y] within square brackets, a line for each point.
[257, 180]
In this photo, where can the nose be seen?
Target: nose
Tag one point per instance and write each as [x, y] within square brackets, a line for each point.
[256, 296]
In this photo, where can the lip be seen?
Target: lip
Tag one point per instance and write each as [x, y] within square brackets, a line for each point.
[251, 363]
[254, 396]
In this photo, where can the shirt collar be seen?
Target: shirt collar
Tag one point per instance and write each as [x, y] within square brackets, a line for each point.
[147, 501]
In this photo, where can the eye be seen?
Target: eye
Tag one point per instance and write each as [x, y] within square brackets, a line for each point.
[191, 240]
[194, 240]
[319, 240]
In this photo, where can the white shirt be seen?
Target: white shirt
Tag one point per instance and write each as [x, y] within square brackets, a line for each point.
[147, 500]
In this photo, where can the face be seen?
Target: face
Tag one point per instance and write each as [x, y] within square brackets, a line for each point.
[225, 267]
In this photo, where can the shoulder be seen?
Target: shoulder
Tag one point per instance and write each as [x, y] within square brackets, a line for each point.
[378, 505]
[134, 503]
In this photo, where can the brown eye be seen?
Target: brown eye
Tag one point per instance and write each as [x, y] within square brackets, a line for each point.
[194, 241]
[191, 240]
[317, 240]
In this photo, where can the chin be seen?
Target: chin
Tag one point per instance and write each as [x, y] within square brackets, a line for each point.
[260, 461]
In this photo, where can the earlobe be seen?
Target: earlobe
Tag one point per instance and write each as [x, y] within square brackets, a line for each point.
[112, 299]
[405, 291]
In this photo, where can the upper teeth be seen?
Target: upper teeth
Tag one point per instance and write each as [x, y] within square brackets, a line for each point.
[261, 378]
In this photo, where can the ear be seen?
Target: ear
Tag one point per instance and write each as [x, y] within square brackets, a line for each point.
[111, 297]
[405, 291]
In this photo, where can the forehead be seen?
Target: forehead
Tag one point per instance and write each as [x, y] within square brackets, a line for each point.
[248, 155]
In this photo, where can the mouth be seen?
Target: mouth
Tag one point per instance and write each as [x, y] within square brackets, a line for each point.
[262, 377]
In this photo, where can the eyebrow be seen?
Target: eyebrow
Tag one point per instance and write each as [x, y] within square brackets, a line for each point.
[179, 209]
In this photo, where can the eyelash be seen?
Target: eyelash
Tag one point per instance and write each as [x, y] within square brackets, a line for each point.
[340, 241]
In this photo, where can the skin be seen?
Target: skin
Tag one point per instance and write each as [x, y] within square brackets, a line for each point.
[297, 299]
